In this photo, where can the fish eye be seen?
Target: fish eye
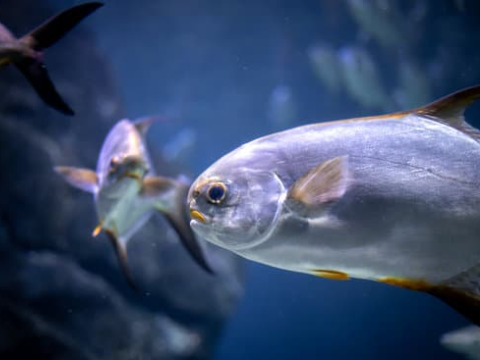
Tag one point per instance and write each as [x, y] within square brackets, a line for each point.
[115, 161]
[216, 193]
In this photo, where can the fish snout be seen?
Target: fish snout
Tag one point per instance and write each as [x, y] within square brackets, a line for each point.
[197, 215]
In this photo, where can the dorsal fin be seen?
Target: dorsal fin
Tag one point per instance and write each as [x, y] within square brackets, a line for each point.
[144, 123]
[449, 110]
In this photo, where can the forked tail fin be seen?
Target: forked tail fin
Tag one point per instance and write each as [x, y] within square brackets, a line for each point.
[36, 74]
[43, 37]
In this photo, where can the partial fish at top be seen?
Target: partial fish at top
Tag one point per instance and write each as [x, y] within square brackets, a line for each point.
[392, 198]
[127, 192]
[27, 52]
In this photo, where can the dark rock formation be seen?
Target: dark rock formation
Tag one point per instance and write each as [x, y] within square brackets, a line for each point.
[62, 295]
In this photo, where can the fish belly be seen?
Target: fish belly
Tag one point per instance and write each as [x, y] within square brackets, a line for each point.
[124, 215]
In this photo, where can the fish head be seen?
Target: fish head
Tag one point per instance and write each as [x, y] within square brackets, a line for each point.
[235, 208]
[126, 167]
[123, 155]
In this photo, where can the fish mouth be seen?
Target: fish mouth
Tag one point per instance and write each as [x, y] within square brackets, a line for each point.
[133, 175]
[197, 215]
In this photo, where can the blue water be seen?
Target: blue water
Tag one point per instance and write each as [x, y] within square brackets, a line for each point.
[211, 66]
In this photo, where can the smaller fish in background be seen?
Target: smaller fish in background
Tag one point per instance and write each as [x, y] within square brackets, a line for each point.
[465, 341]
[27, 52]
[413, 88]
[127, 191]
[181, 147]
[324, 64]
[282, 111]
[460, 5]
[361, 78]
[379, 19]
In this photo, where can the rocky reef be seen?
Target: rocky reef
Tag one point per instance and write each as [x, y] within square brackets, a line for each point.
[62, 295]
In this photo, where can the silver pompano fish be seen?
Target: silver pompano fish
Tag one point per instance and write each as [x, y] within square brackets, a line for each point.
[127, 192]
[26, 52]
[393, 198]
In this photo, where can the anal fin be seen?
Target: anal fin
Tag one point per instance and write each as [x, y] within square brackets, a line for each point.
[465, 303]
[331, 274]
[122, 257]
[462, 292]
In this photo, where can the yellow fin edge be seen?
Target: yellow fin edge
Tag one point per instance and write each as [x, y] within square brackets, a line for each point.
[411, 284]
[331, 274]
[98, 229]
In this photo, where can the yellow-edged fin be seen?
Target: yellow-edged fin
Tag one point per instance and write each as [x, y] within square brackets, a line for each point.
[466, 303]
[98, 229]
[331, 274]
[450, 109]
[461, 292]
[411, 284]
[5, 61]
[319, 187]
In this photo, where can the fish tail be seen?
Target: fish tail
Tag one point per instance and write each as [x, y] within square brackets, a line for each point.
[43, 37]
[57, 26]
[462, 292]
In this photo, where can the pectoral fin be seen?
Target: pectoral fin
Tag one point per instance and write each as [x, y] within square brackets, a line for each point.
[154, 186]
[318, 188]
[83, 179]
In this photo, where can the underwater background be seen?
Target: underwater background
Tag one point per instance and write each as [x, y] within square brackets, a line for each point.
[222, 73]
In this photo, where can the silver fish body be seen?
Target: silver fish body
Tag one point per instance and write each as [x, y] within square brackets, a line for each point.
[403, 207]
[117, 202]
[413, 187]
